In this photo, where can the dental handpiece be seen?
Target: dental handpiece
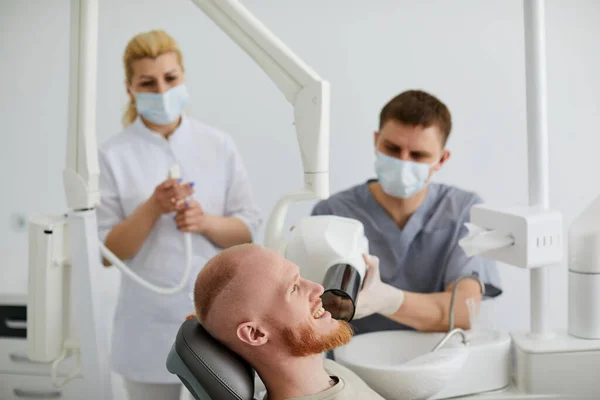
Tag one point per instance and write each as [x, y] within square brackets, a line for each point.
[175, 172]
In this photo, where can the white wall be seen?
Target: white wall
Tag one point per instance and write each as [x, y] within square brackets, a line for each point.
[468, 52]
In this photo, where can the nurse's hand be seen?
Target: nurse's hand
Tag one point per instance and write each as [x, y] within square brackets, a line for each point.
[170, 194]
[190, 217]
[376, 296]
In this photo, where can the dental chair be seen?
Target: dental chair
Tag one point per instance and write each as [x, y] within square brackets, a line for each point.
[207, 368]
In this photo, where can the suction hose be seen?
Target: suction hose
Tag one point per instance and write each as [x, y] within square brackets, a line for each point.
[174, 172]
[138, 279]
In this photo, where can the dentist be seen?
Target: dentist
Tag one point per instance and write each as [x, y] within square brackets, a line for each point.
[142, 214]
[413, 226]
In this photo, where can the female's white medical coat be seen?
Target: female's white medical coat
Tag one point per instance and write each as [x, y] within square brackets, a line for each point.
[132, 164]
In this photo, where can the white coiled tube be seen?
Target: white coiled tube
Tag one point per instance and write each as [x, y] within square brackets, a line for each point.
[174, 173]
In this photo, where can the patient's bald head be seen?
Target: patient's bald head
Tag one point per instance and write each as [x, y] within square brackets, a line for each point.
[254, 300]
[216, 276]
[221, 288]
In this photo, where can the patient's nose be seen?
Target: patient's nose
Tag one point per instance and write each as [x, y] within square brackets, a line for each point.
[316, 290]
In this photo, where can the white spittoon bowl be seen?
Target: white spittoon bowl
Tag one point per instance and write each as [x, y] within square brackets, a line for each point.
[400, 365]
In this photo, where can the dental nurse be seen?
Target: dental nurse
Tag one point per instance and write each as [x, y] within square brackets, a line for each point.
[413, 225]
[142, 214]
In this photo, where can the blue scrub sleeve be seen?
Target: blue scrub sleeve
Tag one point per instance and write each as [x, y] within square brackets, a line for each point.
[459, 264]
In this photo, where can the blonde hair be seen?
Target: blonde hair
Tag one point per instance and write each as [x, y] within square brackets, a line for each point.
[148, 44]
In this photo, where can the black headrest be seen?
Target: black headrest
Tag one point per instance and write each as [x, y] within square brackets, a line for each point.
[207, 368]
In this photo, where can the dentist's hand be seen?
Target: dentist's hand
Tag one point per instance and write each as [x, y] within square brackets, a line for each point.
[376, 296]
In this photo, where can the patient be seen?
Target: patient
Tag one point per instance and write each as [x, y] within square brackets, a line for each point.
[255, 302]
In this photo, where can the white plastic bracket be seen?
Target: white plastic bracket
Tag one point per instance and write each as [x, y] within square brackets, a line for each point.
[537, 234]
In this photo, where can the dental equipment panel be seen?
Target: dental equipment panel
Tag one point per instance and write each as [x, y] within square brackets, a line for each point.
[46, 303]
[533, 235]
[548, 362]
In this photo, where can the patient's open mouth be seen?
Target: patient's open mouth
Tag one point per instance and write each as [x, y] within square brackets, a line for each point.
[319, 312]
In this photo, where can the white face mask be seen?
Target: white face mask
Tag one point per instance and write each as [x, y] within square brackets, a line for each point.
[400, 178]
[162, 108]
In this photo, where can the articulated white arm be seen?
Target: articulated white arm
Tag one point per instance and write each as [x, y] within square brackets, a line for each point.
[81, 175]
[289, 73]
[301, 86]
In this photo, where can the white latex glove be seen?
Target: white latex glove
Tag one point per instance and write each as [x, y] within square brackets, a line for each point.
[376, 296]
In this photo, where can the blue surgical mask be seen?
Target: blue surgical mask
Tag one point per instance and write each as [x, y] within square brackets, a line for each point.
[162, 108]
[400, 178]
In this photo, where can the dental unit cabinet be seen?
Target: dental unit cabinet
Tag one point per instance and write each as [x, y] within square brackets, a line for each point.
[20, 377]
[584, 273]
[547, 362]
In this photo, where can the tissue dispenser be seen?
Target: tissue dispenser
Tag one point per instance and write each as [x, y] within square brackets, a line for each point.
[536, 233]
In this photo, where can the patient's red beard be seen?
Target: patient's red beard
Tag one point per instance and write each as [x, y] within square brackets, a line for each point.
[305, 341]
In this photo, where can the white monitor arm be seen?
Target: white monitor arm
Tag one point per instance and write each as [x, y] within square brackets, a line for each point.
[301, 86]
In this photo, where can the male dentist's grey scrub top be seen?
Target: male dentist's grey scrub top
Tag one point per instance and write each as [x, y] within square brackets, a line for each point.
[422, 257]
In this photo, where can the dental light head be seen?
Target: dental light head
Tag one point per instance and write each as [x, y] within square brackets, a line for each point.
[329, 250]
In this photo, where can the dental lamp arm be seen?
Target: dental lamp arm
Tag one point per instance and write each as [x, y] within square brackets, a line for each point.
[300, 85]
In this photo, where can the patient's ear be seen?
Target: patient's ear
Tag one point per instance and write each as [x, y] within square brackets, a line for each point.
[252, 334]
